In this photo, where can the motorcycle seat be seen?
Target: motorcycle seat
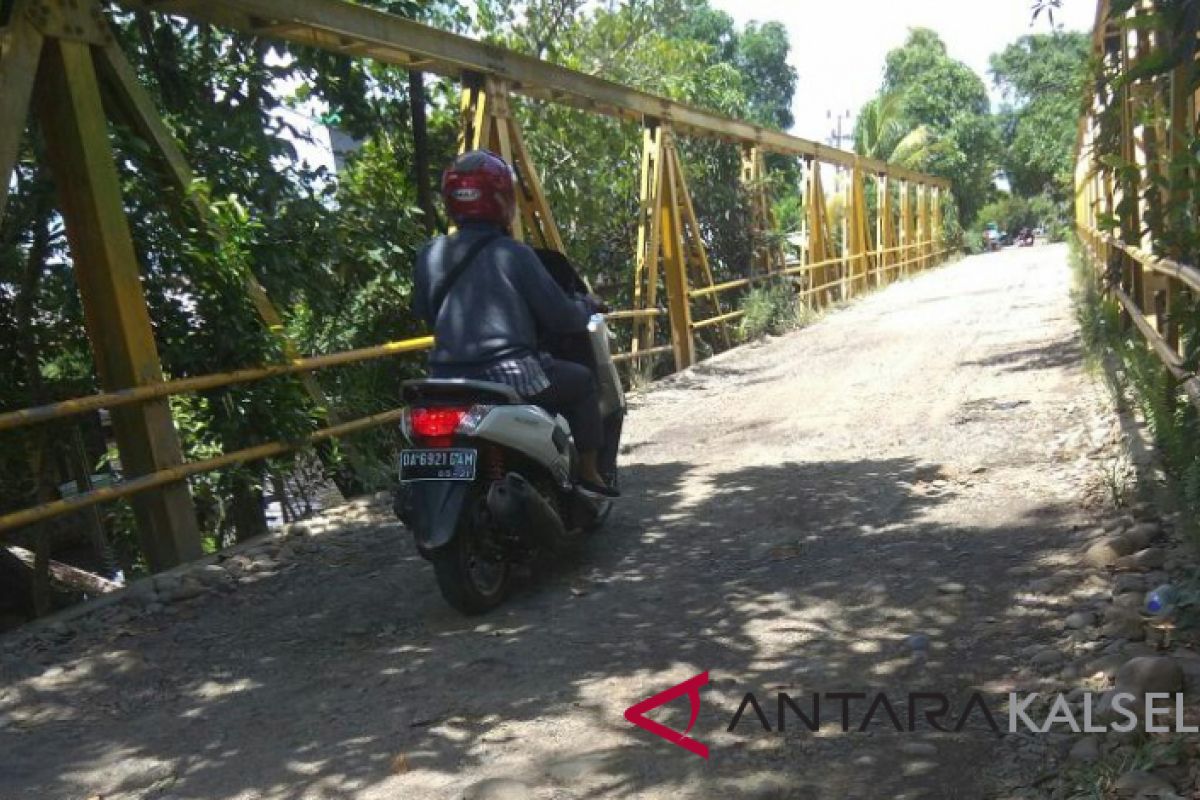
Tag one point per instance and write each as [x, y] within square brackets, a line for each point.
[452, 391]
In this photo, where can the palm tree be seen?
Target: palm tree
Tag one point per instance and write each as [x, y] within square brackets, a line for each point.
[882, 132]
[913, 150]
[879, 127]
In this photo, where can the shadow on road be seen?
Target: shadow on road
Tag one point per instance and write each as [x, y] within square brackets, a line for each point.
[347, 675]
[1064, 352]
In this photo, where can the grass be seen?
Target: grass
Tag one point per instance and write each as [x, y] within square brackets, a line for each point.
[1095, 781]
[1142, 380]
[772, 309]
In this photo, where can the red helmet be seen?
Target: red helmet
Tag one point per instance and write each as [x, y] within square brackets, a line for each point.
[478, 187]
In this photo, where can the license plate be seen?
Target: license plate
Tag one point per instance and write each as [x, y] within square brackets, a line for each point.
[455, 464]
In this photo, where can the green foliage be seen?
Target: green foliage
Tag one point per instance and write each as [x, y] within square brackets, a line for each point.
[590, 165]
[1012, 212]
[933, 115]
[761, 58]
[936, 89]
[1042, 77]
[952, 229]
[771, 309]
[880, 127]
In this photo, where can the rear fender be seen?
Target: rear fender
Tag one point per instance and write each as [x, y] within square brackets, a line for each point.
[433, 509]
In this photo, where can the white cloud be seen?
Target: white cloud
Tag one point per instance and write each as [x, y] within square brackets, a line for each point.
[838, 47]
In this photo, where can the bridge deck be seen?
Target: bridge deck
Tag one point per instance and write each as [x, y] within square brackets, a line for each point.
[794, 511]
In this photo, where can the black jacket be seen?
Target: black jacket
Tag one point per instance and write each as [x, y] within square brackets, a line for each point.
[498, 308]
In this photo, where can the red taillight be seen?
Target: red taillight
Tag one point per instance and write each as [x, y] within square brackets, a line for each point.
[434, 427]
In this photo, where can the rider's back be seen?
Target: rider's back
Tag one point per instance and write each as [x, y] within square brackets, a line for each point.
[496, 308]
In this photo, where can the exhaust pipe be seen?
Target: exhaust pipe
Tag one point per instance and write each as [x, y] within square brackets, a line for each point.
[521, 509]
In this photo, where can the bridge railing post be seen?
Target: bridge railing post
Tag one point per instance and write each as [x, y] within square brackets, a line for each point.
[674, 259]
[820, 247]
[668, 231]
[937, 224]
[909, 227]
[857, 232]
[887, 228]
[767, 254]
[645, 276]
[75, 129]
[923, 227]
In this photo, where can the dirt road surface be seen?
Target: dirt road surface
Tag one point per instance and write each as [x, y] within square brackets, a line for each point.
[859, 506]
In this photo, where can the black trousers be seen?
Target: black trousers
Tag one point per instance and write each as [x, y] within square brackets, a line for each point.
[572, 393]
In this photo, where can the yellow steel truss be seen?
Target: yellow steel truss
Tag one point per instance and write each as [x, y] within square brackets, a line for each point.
[57, 66]
[668, 233]
[768, 250]
[820, 238]
[61, 57]
[488, 123]
[1125, 185]
[858, 240]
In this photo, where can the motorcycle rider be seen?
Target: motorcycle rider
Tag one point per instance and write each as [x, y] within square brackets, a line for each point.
[487, 297]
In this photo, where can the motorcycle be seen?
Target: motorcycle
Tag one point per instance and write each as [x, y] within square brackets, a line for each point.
[488, 480]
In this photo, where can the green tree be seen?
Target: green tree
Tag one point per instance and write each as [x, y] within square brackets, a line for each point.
[880, 127]
[769, 80]
[1041, 76]
[945, 115]
[685, 50]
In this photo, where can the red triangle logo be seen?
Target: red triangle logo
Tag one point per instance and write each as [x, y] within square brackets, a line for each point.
[691, 687]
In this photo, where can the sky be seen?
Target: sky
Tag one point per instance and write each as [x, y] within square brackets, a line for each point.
[838, 47]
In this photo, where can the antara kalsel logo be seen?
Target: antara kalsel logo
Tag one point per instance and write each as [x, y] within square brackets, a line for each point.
[1155, 712]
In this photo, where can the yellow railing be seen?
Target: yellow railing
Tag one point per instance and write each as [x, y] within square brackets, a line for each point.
[73, 55]
[142, 394]
[50, 412]
[847, 284]
[1132, 177]
[1156, 326]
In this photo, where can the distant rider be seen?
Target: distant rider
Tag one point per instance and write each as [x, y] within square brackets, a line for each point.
[487, 298]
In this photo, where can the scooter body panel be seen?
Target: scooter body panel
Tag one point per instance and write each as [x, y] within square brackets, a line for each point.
[531, 431]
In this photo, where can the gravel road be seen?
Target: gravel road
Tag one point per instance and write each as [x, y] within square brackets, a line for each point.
[854, 507]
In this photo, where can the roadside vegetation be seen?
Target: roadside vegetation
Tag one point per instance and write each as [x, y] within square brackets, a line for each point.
[1136, 377]
[771, 310]
[1173, 233]
[932, 114]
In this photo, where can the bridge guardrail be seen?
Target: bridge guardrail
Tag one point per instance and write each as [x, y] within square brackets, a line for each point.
[43, 414]
[78, 58]
[1133, 176]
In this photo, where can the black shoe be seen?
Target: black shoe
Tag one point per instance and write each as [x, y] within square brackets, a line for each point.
[596, 488]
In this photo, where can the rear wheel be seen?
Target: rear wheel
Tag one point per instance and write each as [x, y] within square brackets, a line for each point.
[473, 577]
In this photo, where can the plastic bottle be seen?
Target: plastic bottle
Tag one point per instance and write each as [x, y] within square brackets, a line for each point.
[1160, 601]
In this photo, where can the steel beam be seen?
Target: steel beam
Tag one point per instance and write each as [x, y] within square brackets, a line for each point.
[675, 260]
[20, 48]
[645, 280]
[343, 27]
[106, 269]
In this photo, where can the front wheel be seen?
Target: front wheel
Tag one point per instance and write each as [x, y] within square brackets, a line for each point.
[472, 578]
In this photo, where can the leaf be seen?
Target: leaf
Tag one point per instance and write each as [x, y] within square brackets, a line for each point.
[1118, 8]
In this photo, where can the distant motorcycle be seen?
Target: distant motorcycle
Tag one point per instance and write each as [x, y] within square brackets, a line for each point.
[992, 237]
[1025, 238]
